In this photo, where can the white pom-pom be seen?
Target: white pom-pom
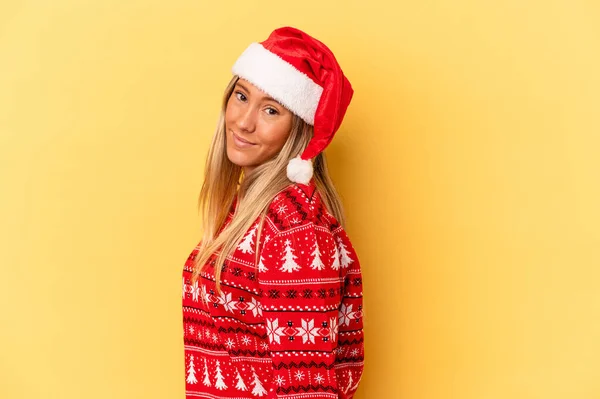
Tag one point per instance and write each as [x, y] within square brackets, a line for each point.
[299, 170]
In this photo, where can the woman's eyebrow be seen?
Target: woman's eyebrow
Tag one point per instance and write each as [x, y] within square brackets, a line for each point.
[268, 98]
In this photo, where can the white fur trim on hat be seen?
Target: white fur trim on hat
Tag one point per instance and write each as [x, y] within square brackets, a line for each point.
[280, 79]
[300, 170]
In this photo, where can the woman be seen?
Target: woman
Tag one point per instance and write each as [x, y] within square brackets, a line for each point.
[282, 315]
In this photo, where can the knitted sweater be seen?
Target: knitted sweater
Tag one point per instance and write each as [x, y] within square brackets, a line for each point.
[289, 327]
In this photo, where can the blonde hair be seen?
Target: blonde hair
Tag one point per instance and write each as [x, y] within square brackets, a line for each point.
[223, 180]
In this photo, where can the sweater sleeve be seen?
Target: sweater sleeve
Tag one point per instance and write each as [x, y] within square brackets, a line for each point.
[303, 277]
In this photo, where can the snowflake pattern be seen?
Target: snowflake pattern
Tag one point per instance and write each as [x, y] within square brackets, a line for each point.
[274, 331]
[254, 306]
[229, 343]
[299, 375]
[204, 295]
[319, 378]
[279, 380]
[345, 314]
[245, 340]
[227, 302]
[281, 209]
[195, 291]
[333, 328]
[308, 332]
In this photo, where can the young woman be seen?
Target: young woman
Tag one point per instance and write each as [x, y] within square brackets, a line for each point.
[272, 294]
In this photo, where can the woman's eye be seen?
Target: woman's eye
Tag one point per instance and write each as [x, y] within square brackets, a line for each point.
[240, 94]
[274, 111]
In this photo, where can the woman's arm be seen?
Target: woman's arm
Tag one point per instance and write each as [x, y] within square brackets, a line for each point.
[312, 302]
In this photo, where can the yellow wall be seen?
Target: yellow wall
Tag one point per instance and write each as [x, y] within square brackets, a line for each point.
[468, 163]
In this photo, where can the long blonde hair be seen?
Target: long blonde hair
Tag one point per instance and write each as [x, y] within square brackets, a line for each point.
[223, 180]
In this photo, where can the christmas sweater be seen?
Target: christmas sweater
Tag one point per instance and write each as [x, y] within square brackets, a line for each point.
[290, 326]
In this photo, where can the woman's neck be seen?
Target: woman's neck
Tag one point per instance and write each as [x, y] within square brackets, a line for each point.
[248, 169]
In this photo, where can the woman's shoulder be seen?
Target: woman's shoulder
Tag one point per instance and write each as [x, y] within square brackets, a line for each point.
[298, 205]
[298, 224]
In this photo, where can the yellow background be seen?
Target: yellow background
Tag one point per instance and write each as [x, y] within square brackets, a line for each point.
[468, 163]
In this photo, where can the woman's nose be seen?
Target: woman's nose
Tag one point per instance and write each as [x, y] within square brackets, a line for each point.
[247, 119]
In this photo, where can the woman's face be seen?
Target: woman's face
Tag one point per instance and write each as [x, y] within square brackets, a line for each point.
[256, 126]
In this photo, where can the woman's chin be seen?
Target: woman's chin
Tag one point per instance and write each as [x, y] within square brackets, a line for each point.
[241, 160]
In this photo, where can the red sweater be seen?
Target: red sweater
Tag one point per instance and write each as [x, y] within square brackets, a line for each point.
[289, 327]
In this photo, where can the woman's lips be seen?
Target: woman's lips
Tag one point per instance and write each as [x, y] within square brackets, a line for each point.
[241, 142]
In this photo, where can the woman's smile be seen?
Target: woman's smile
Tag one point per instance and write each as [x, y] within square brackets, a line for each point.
[240, 142]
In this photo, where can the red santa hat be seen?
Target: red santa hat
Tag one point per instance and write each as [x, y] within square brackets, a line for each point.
[303, 75]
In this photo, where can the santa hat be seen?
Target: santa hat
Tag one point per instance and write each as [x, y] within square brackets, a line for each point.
[303, 75]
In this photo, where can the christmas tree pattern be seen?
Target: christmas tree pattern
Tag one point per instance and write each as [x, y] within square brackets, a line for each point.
[258, 389]
[220, 384]
[247, 243]
[191, 377]
[206, 379]
[336, 258]
[345, 259]
[289, 264]
[349, 386]
[240, 383]
[317, 263]
[261, 265]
